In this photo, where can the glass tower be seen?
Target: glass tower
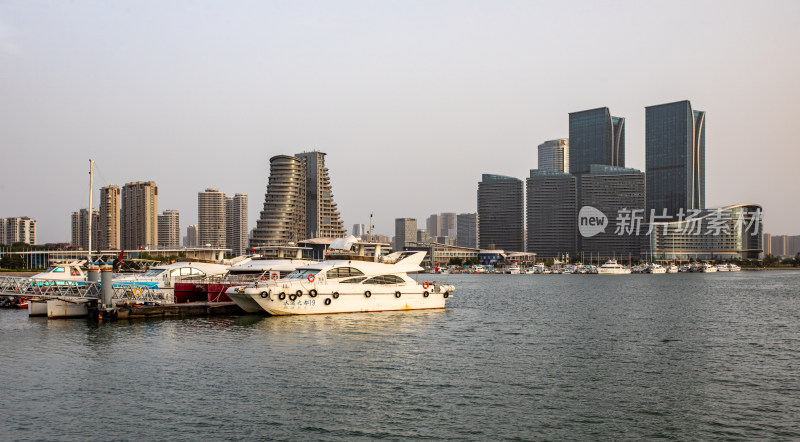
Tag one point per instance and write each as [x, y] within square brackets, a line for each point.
[501, 219]
[595, 137]
[675, 157]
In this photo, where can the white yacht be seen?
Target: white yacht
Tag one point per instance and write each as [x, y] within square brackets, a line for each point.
[734, 268]
[62, 274]
[611, 267]
[164, 277]
[673, 268]
[513, 270]
[351, 282]
[723, 267]
[655, 268]
[706, 268]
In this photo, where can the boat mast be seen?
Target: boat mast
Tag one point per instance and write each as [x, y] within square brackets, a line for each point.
[91, 177]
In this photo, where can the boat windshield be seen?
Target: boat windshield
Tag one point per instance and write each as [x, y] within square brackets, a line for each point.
[152, 273]
[302, 273]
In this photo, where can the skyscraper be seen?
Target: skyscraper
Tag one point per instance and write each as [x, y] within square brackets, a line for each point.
[434, 225]
[108, 237]
[322, 214]
[467, 229]
[211, 214]
[236, 224]
[554, 155]
[501, 220]
[595, 137]
[169, 229]
[552, 211]
[620, 194]
[675, 157]
[449, 225]
[139, 215]
[283, 218]
[191, 236]
[405, 232]
[358, 230]
[80, 229]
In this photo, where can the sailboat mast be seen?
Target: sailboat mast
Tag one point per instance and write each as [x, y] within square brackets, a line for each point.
[91, 183]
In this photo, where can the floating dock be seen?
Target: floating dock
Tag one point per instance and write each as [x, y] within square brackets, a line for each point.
[166, 311]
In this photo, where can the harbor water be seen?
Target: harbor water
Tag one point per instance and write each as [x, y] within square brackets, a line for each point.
[557, 357]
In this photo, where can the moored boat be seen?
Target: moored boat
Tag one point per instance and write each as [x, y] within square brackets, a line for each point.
[612, 267]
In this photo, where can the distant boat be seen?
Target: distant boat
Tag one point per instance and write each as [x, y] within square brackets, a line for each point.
[611, 267]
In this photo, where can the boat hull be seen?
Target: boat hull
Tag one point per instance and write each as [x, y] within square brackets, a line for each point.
[37, 307]
[57, 308]
[244, 301]
[349, 303]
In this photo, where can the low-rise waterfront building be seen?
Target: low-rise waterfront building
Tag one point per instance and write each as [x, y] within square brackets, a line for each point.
[727, 233]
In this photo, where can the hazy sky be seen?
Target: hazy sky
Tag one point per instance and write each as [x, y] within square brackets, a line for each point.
[412, 101]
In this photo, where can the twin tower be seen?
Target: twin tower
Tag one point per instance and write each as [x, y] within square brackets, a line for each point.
[299, 202]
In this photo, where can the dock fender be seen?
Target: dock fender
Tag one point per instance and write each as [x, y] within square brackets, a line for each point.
[292, 297]
[367, 293]
[299, 293]
[312, 293]
[425, 294]
[446, 295]
[397, 294]
[327, 301]
[264, 294]
[335, 295]
[282, 296]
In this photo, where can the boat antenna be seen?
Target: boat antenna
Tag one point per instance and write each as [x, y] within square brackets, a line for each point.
[371, 229]
[91, 178]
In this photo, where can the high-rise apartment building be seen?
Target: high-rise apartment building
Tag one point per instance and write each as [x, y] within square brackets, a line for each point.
[108, 236]
[467, 230]
[434, 225]
[358, 230]
[169, 229]
[595, 137]
[767, 242]
[17, 229]
[552, 209]
[80, 229]
[139, 215]
[501, 219]
[322, 215]
[236, 224]
[191, 236]
[423, 236]
[283, 219]
[554, 155]
[619, 193]
[211, 217]
[675, 157]
[405, 232]
[298, 203]
[778, 245]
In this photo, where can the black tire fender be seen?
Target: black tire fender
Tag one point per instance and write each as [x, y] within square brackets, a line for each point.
[327, 301]
[425, 294]
[264, 294]
[282, 296]
[292, 297]
[397, 294]
[367, 293]
[312, 293]
[335, 295]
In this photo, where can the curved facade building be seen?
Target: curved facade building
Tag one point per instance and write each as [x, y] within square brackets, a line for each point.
[554, 155]
[283, 219]
[732, 232]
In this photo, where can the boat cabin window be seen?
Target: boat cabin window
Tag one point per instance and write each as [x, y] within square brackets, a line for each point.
[302, 274]
[153, 273]
[353, 280]
[174, 273]
[58, 270]
[343, 272]
[385, 279]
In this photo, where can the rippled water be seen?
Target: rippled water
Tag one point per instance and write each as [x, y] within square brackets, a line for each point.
[687, 356]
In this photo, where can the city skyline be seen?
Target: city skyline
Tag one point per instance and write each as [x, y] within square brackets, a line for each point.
[370, 99]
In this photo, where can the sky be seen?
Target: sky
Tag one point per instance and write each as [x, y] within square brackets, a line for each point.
[411, 100]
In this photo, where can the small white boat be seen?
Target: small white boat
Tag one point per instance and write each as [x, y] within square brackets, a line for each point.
[706, 268]
[655, 268]
[673, 268]
[611, 267]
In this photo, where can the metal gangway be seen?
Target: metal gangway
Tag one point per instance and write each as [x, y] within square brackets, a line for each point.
[16, 286]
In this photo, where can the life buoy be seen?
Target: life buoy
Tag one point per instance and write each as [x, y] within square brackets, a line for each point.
[299, 293]
[311, 277]
[425, 294]
[335, 295]
[396, 294]
[282, 296]
[274, 276]
[327, 301]
[137, 292]
[292, 297]
[446, 295]
[425, 285]
[312, 293]
[264, 294]
[367, 293]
